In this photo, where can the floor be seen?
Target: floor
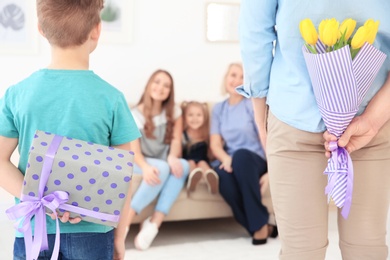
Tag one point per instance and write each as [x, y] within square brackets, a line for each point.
[217, 230]
[179, 236]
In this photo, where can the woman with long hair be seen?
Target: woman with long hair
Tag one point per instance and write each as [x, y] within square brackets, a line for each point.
[157, 155]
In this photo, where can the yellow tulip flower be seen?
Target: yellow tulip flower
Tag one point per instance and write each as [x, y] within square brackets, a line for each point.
[372, 28]
[329, 32]
[360, 37]
[321, 28]
[335, 36]
[308, 31]
[347, 27]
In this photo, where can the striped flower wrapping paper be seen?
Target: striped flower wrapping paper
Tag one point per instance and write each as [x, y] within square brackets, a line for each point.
[340, 84]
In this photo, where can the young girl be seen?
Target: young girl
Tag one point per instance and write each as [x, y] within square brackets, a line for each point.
[196, 145]
[158, 155]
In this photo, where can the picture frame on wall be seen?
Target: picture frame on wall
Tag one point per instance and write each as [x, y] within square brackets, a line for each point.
[117, 21]
[18, 27]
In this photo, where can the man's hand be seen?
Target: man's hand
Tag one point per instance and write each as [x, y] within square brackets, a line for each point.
[358, 134]
[328, 138]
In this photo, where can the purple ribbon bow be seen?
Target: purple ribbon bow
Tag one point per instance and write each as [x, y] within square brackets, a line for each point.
[33, 206]
[340, 178]
[36, 206]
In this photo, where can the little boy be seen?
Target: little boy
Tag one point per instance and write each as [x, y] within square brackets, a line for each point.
[67, 99]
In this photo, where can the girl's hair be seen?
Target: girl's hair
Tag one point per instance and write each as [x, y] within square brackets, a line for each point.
[223, 88]
[67, 23]
[167, 105]
[205, 128]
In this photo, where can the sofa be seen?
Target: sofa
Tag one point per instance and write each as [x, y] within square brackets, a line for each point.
[199, 204]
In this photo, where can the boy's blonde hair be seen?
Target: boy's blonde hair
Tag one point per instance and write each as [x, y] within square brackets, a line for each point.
[205, 128]
[167, 105]
[67, 23]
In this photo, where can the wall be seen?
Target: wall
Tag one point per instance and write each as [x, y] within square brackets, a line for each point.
[167, 34]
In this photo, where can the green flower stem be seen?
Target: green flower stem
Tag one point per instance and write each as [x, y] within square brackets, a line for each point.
[311, 48]
[354, 52]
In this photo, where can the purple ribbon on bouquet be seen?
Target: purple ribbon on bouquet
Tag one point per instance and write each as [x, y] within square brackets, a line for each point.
[340, 178]
[36, 206]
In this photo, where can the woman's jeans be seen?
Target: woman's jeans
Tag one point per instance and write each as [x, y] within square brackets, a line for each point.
[97, 246]
[168, 190]
[241, 189]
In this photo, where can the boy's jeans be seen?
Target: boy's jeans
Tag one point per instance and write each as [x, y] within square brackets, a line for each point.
[96, 246]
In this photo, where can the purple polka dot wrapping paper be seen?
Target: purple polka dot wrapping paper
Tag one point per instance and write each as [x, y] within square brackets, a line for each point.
[96, 177]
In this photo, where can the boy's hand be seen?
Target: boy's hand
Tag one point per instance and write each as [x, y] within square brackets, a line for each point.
[119, 249]
[65, 218]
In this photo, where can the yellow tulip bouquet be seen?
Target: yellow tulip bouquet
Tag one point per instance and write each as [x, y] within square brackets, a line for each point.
[335, 36]
[342, 66]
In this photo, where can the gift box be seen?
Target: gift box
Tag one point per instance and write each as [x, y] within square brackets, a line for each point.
[88, 180]
[96, 178]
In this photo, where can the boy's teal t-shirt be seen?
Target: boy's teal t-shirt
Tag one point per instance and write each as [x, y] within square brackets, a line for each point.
[73, 103]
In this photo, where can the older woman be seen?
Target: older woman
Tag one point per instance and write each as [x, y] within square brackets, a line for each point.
[234, 141]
